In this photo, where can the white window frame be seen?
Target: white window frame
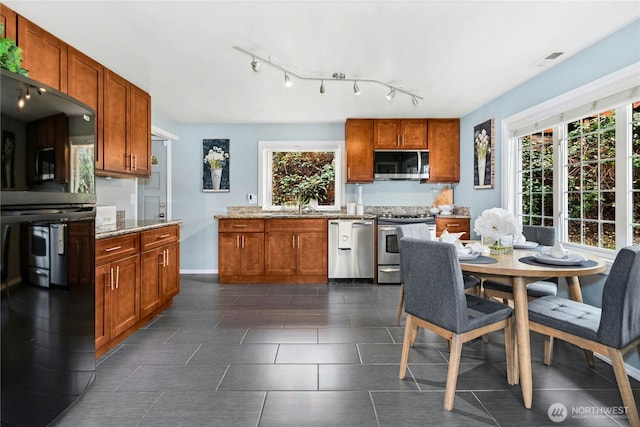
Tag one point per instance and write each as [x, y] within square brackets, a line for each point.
[265, 169]
[605, 93]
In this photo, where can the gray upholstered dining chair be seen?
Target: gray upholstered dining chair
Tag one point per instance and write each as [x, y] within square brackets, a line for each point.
[435, 299]
[545, 236]
[420, 231]
[612, 330]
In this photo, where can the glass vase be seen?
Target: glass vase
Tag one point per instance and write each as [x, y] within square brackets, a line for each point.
[501, 246]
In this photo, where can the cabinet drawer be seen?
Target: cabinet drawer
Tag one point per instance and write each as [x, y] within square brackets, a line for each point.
[158, 237]
[453, 225]
[297, 225]
[114, 248]
[241, 225]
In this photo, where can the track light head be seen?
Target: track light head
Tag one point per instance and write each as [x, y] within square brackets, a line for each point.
[356, 89]
[287, 80]
[322, 86]
[21, 101]
[391, 94]
[414, 100]
[28, 95]
[255, 65]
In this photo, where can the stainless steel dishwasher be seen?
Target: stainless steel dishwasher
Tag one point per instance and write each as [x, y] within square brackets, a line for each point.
[351, 249]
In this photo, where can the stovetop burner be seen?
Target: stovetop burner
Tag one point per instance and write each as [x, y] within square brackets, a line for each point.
[416, 216]
[405, 218]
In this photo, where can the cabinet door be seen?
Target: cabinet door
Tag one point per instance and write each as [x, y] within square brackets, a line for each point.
[125, 297]
[170, 272]
[9, 20]
[44, 55]
[140, 132]
[85, 82]
[359, 150]
[103, 289]
[444, 150]
[229, 254]
[312, 253]
[151, 265]
[414, 134]
[280, 253]
[386, 134]
[253, 254]
[115, 123]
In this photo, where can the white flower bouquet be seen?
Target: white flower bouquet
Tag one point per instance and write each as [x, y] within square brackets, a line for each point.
[216, 157]
[496, 224]
[482, 144]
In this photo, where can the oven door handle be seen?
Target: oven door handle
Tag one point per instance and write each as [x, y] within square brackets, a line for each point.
[387, 227]
[390, 269]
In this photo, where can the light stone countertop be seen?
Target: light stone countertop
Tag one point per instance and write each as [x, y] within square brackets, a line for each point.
[132, 226]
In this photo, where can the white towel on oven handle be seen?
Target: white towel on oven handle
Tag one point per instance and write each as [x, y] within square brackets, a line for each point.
[344, 234]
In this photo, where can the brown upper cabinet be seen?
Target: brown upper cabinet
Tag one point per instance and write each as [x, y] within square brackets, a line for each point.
[359, 150]
[444, 150]
[85, 83]
[400, 134]
[123, 111]
[8, 19]
[127, 128]
[44, 56]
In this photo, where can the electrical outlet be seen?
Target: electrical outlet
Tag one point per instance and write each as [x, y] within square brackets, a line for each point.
[252, 198]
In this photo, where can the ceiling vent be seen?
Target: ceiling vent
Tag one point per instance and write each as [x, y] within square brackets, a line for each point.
[543, 62]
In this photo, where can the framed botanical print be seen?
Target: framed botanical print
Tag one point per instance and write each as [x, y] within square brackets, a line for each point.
[215, 165]
[483, 155]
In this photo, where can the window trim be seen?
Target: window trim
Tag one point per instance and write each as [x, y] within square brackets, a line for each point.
[265, 150]
[604, 93]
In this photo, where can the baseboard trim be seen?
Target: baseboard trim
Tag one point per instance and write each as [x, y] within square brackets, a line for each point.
[198, 271]
[632, 371]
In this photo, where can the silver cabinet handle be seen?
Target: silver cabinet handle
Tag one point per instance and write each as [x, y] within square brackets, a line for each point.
[164, 236]
[111, 277]
[167, 250]
[117, 276]
[115, 248]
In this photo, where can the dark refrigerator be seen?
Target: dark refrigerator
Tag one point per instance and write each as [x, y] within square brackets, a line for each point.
[47, 346]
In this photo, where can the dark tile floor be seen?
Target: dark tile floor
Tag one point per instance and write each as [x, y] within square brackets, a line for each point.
[283, 355]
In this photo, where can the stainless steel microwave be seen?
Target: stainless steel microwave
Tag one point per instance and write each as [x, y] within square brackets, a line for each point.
[401, 165]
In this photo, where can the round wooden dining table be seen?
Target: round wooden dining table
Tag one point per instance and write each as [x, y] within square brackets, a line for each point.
[509, 269]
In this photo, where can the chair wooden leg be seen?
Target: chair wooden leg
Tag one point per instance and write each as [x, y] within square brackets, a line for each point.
[452, 373]
[406, 343]
[625, 388]
[509, 346]
[548, 350]
[414, 335]
[588, 354]
[400, 304]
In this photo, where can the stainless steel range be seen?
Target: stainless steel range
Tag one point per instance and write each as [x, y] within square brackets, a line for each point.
[388, 253]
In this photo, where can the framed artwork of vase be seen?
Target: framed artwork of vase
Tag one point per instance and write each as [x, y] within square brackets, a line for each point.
[484, 155]
[215, 166]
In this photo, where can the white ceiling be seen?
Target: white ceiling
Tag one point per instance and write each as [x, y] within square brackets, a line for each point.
[458, 55]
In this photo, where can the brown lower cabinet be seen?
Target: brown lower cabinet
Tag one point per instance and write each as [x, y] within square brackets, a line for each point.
[137, 276]
[272, 251]
[454, 225]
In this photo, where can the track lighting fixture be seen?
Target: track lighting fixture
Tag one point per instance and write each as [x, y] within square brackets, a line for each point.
[28, 95]
[391, 94]
[21, 100]
[256, 61]
[255, 65]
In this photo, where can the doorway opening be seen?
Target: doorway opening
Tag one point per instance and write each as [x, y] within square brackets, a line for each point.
[154, 192]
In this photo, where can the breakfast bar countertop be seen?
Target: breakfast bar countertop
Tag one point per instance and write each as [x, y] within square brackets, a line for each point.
[132, 226]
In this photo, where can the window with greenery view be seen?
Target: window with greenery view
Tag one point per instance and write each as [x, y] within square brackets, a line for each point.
[82, 165]
[598, 188]
[299, 174]
[536, 176]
